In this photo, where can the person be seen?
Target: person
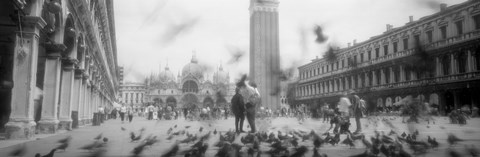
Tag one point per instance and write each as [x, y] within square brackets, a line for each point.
[251, 96]
[226, 113]
[343, 108]
[123, 110]
[358, 106]
[238, 109]
[150, 112]
[130, 114]
[113, 113]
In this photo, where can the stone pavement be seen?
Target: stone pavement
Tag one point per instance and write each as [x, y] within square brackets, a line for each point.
[119, 142]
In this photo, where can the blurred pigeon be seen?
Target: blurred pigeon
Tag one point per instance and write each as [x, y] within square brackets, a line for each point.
[123, 129]
[19, 151]
[452, 139]
[300, 151]
[105, 139]
[50, 154]
[63, 146]
[215, 132]
[172, 152]
[65, 140]
[99, 136]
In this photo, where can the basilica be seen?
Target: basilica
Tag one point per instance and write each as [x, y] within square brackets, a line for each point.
[192, 88]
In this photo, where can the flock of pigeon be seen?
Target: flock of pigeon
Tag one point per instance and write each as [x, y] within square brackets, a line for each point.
[189, 142]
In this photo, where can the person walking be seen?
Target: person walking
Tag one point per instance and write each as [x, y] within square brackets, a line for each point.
[358, 106]
[123, 110]
[238, 109]
[343, 108]
[150, 112]
[130, 114]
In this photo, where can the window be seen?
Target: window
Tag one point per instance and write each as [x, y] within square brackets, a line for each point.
[370, 78]
[417, 39]
[379, 77]
[459, 25]
[343, 62]
[385, 50]
[361, 57]
[331, 67]
[337, 64]
[369, 55]
[476, 21]
[462, 62]
[387, 75]
[429, 36]
[327, 68]
[395, 47]
[443, 32]
[377, 52]
[323, 69]
[405, 43]
[407, 75]
[396, 73]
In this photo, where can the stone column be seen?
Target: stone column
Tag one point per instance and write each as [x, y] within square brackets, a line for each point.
[330, 86]
[65, 109]
[452, 64]
[437, 67]
[341, 84]
[83, 102]
[469, 61]
[359, 81]
[21, 123]
[51, 89]
[382, 76]
[374, 77]
[347, 87]
[367, 80]
[392, 75]
[77, 95]
[402, 73]
[353, 81]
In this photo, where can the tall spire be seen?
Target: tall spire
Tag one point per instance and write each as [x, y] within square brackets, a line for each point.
[166, 66]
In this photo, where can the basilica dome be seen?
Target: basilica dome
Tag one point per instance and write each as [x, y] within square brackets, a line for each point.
[193, 69]
[167, 75]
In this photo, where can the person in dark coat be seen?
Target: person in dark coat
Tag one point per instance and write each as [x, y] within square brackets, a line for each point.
[238, 109]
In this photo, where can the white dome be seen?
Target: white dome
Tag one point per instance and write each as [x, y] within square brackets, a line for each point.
[167, 75]
[193, 68]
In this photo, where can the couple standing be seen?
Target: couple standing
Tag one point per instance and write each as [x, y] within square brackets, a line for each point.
[243, 103]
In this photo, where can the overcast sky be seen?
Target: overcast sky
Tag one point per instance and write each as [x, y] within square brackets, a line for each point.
[152, 32]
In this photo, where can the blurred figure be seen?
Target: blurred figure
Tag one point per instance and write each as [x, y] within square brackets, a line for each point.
[238, 109]
[130, 114]
[123, 110]
[251, 96]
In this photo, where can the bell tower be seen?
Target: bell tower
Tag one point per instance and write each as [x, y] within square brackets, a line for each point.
[264, 50]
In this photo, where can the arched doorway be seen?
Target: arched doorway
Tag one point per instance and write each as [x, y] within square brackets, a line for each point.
[158, 102]
[221, 102]
[449, 102]
[190, 86]
[171, 101]
[208, 102]
[189, 100]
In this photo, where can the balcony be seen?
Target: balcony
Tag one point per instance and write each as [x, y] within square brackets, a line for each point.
[431, 46]
[405, 84]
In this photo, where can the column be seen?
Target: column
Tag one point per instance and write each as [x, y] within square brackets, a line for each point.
[341, 84]
[330, 86]
[321, 87]
[453, 64]
[374, 77]
[65, 109]
[353, 81]
[21, 123]
[437, 67]
[347, 86]
[392, 75]
[469, 61]
[77, 97]
[382, 76]
[359, 80]
[367, 80]
[334, 81]
[402, 73]
[83, 102]
[51, 89]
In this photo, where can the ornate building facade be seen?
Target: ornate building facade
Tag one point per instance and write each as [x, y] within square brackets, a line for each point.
[132, 93]
[265, 51]
[191, 88]
[435, 59]
[58, 64]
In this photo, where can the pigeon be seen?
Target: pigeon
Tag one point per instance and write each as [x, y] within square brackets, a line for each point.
[453, 153]
[138, 149]
[318, 141]
[348, 141]
[175, 126]
[99, 136]
[201, 129]
[300, 151]
[472, 151]
[403, 135]
[142, 129]
[434, 143]
[186, 127]
[91, 146]
[123, 129]
[169, 131]
[50, 154]
[65, 140]
[172, 151]
[391, 133]
[63, 146]
[452, 139]
[105, 139]
[135, 138]
[215, 132]
[19, 151]
[366, 143]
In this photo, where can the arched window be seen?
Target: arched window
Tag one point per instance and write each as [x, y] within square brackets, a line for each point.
[387, 75]
[190, 86]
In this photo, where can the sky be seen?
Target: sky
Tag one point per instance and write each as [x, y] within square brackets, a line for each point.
[153, 33]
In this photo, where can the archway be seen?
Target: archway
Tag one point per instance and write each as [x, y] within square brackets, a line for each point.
[433, 100]
[449, 102]
[189, 100]
[221, 102]
[380, 104]
[158, 102]
[190, 86]
[208, 102]
[171, 101]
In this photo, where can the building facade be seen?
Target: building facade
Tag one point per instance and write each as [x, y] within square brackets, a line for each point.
[435, 59]
[132, 93]
[265, 51]
[58, 61]
[192, 88]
